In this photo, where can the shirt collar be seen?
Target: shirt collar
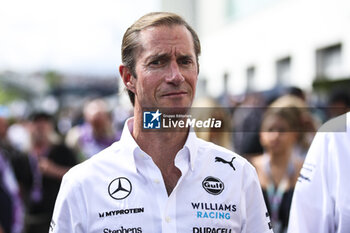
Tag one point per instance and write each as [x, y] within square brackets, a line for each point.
[129, 145]
[192, 146]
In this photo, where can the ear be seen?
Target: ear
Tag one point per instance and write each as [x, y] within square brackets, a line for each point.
[128, 79]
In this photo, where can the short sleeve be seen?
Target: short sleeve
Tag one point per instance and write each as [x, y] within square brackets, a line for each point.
[256, 216]
[69, 214]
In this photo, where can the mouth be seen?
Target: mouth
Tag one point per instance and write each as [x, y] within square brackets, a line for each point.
[175, 94]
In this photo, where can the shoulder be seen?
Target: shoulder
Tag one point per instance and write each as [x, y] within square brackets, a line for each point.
[102, 163]
[334, 130]
[232, 169]
[337, 124]
[209, 148]
[92, 166]
[332, 137]
[210, 153]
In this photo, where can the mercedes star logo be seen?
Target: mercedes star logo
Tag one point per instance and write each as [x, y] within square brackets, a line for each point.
[119, 188]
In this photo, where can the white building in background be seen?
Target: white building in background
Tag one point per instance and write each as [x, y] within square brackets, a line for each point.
[261, 44]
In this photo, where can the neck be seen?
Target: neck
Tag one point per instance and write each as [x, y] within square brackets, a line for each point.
[278, 164]
[161, 146]
[40, 148]
[280, 158]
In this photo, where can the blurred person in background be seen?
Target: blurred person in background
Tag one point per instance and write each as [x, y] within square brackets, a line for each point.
[308, 123]
[277, 167]
[3, 127]
[96, 133]
[11, 205]
[246, 125]
[297, 92]
[339, 103]
[39, 174]
[18, 135]
[321, 200]
[206, 108]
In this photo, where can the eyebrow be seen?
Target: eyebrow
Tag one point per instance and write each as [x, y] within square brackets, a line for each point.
[157, 56]
[167, 56]
[185, 57]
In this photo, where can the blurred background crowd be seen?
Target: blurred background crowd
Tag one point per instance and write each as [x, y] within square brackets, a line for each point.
[273, 70]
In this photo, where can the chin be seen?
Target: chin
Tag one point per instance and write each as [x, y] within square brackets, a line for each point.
[178, 105]
[175, 102]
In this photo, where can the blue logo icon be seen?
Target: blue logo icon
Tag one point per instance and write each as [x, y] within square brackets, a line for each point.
[151, 120]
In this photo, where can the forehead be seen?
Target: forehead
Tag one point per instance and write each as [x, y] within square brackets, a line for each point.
[159, 39]
[274, 120]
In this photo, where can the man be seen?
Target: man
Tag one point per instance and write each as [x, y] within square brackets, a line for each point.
[160, 181]
[40, 173]
[11, 206]
[321, 198]
[11, 211]
[96, 134]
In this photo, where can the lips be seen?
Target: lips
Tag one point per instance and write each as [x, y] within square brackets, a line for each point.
[174, 94]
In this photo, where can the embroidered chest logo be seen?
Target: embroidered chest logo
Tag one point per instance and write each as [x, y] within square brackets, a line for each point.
[213, 185]
[230, 163]
[119, 188]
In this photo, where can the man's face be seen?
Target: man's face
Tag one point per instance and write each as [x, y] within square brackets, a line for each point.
[40, 130]
[166, 68]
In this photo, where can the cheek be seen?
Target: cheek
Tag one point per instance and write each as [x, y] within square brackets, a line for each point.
[147, 85]
[192, 79]
[291, 138]
[263, 139]
[266, 138]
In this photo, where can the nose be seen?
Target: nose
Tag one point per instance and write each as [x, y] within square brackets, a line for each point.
[175, 77]
[275, 135]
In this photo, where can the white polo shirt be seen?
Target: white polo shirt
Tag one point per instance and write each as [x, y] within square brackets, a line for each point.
[121, 190]
[321, 201]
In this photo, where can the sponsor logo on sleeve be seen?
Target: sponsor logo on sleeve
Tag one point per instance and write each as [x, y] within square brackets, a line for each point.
[119, 188]
[213, 185]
